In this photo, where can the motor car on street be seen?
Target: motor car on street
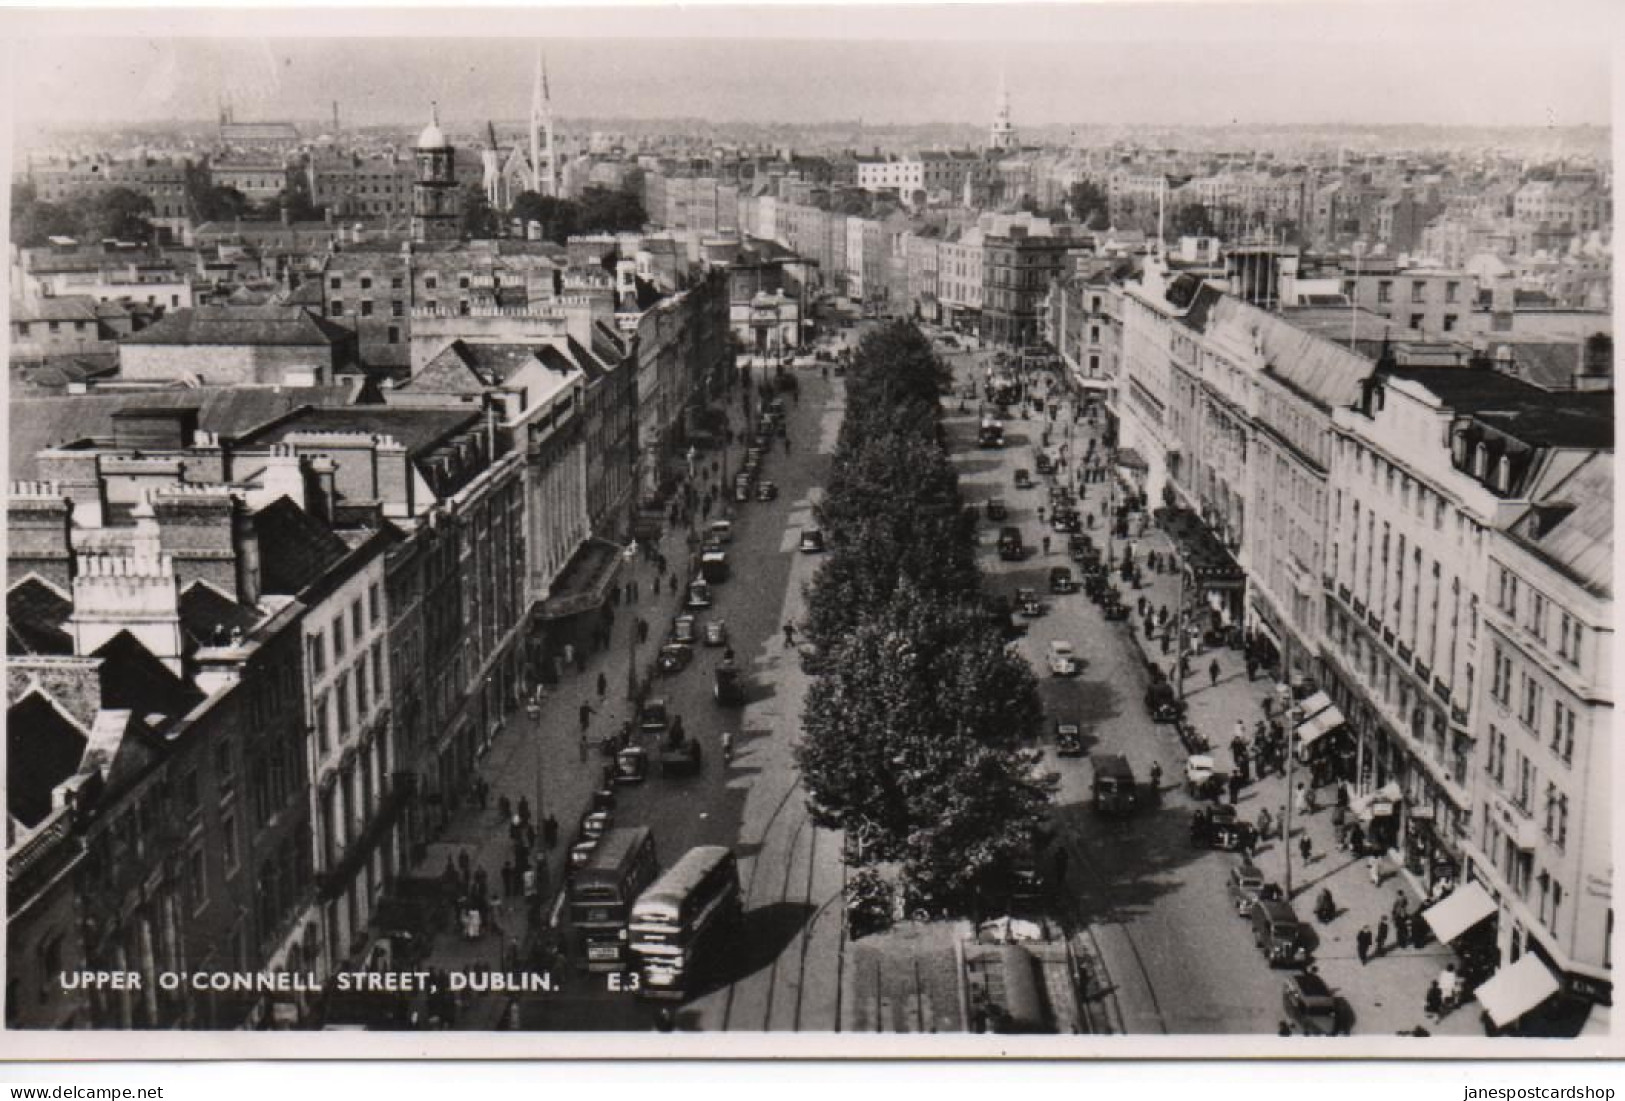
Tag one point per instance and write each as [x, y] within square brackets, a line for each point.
[1279, 934]
[812, 541]
[1115, 790]
[1219, 828]
[1064, 519]
[1247, 885]
[595, 822]
[1044, 463]
[631, 765]
[1028, 604]
[1061, 581]
[673, 658]
[767, 491]
[653, 718]
[996, 509]
[1011, 548]
[1068, 738]
[1024, 478]
[727, 685]
[699, 593]
[716, 632]
[720, 531]
[742, 490]
[1060, 494]
[714, 565]
[682, 758]
[1063, 659]
[682, 629]
[1309, 1003]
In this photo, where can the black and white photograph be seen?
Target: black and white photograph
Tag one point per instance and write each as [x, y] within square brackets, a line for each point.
[976, 530]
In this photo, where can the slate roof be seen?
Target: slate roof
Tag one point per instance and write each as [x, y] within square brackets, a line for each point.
[133, 679]
[259, 326]
[1541, 418]
[43, 748]
[464, 368]
[208, 615]
[418, 430]
[72, 307]
[1581, 543]
[36, 615]
[41, 422]
[295, 548]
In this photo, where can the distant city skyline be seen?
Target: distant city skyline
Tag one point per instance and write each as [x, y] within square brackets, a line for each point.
[1203, 64]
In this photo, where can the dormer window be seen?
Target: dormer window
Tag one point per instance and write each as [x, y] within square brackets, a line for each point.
[1481, 460]
[1503, 474]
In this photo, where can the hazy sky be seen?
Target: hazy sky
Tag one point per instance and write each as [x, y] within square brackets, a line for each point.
[1378, 61]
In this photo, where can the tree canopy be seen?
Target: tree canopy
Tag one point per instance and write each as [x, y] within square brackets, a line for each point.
[118, 212]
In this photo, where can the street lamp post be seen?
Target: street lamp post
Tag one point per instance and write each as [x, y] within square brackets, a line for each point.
[1179, 637]
[1292, 714]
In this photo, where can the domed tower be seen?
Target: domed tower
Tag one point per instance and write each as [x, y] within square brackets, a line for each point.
[434, 192]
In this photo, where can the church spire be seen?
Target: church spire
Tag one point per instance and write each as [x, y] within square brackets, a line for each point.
[536, 97]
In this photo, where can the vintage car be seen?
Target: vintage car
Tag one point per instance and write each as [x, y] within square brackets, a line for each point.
[1061, 581]
[631, 765]
[654, 720]
[683, 629]
[1028, 604]
[1011, 547]
[595, 822]
[1024, 478]
[767, 491]
[1163, 704]
[1218, 827]
[812, 541]
[1247, 885]
[716, 632]
[699, 594]
[1113, 609]
[1044, 463]
[1068, 738]
[720, 531]
[742, 486]
[996, 509]
[727, 685]
[1064, 519]
[1200, 771]
[714, 565]
[1279, 934]
[1062, 659]
[1309, 1003]
[681, 758]
[673, 658]
[1061, 494]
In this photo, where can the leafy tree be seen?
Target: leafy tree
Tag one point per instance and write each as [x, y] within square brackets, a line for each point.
[606, 210]
[295, 196]
[558, 217]
[1193, 220]
[222, 204]
[34, 223]
[1088, 200]
[117, 212]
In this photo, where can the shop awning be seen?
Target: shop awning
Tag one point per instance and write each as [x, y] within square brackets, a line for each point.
[584, 582]
[1319, 725]
[1314, 705]
[1130, 459]
[1462, 909]
[1514, 991]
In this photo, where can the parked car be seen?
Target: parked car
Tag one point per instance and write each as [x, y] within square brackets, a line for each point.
[812, 541]
[742, 489]
[996, 509]
[1068, 738]
[716, 632]
[1028, 604]
[1309, 1003]
[1061, 581]
[727, 685]
[699, 594]
[1279, 934]
[1064, 519]
[767, 491]
[1024, 478]
[1063, 659]
[653, 718]
[682, 758]
[1011, 548]
[682, 629]
[720, 531]
[714, 565]
[1044, 463]
[1247, 885]
[673, 658]
[631, 765]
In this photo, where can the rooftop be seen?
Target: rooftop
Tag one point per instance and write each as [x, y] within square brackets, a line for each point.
[284, 326]
[1540, 418]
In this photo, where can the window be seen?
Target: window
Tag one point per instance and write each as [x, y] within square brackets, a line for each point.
[1532, 695]
[1501, 677]
[397, 308]
[225, 768]
[1497, 766]
[228, 843]
[366, 282]
[341, 693]
[1416, 320]
[336, 308]
[1568, 638]
[197, 887]
[358, 620]
[316, 651]
[393, 334]
[366, 307]
[462, 282]
[361, 708]
[1537, 615]
[1450, 320]
[1563, 731]
[1507, 600]
[54, 326]
[378, 671]
[1385, 291]
[1451, 290]
[338, 637]
[375, 603]
[324, 729]
[1418, 291]
[1525, 793]
[430, 283]
[336, 282]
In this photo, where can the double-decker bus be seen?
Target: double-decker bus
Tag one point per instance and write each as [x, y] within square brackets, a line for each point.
[603, 891]
[683, 918]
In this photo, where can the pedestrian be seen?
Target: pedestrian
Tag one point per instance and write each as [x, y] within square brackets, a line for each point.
[603, 685]
[1046, 545]
[1303, 799]
[1268, 704]
[1449, 988]
[1235, 784]
[1401, 907]
[643, 631]
[1283, 1029]
[583, 747]
[1433, 1003]
[504, 808]
[508, 879]
[1213, 673]
[550, 831]
[1382, 934]
[569, 653]
[1306, 847]
[530, 883]
[1356, 839]
[1265, 823]
[522, 811]
[1252, 669]
[1373, 867]
[1362, 944]
[789, 635]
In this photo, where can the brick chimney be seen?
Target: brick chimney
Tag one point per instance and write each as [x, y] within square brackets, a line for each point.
[114, 593]
[283, 476]
[39, 522]
[194, 532]
[245, 543]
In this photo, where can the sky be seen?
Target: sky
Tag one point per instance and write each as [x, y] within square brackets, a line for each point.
[1375, 62]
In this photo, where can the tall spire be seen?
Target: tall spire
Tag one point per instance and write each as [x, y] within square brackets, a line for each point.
[1003, 133]
[536, 98]
[547, 119]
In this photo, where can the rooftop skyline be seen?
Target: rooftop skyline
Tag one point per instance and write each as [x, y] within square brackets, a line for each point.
[1307, 63]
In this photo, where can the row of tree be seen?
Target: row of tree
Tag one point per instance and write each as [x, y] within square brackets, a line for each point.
[599, 210]
[915, 723]
[117, 212]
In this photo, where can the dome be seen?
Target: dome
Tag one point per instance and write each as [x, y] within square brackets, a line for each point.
[432, 138]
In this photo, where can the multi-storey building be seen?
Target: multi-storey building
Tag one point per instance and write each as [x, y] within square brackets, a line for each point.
[1020, 258]
[959, 279]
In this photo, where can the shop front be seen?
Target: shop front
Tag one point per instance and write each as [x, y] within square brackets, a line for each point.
[1465, 920]
[573, 619]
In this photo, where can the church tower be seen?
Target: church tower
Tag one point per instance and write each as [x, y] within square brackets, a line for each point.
[1003, 135]
[434, 192]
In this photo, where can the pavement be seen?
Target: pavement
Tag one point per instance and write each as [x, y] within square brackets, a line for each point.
[1175, 958]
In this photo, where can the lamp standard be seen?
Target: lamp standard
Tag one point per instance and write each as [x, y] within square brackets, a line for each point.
[1293, 713]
